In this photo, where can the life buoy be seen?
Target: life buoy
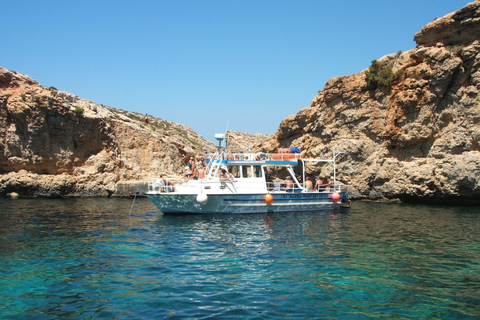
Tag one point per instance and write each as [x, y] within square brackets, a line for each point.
[335, 196]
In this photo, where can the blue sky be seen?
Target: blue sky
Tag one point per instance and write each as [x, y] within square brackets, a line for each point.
[212, 65]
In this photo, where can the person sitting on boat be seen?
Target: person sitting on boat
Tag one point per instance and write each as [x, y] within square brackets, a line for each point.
[191, 163]
[167, 186]
[188, 172]
[225, 175]
[195, 173]
[201, 160]
[308, 184]
[331, 184]
[289, 184]
[277, 183]
[325, 183]
[201, 171]
[319, 184]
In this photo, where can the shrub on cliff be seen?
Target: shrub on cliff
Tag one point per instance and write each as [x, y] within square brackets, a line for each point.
[79, 111]
[380, 74]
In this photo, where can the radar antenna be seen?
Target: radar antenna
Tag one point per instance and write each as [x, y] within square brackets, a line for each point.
[220, 137]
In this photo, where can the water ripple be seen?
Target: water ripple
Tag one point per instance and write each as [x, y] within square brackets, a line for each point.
[88, 258]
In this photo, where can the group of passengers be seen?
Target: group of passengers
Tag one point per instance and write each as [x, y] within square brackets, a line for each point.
[324, 184]
[195, 170]
[288, 185]
[194, 167]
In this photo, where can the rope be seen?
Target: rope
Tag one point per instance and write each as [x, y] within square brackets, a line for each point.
[132, 203]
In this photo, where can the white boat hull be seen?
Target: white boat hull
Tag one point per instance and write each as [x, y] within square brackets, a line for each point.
[174, 203]
[243, 183]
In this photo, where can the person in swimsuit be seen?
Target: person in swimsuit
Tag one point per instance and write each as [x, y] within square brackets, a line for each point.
[225, 175]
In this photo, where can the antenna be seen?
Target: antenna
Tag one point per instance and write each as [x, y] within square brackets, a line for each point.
[226, 135]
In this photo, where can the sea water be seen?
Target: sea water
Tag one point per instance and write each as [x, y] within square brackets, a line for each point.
[94, 259]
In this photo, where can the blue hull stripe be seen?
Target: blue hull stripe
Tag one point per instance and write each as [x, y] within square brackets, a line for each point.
[279, 199]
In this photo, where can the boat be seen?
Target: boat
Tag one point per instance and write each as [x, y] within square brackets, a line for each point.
[243, 183]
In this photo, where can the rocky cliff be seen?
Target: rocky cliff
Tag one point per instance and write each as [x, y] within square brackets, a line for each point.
[416, 138]
[53, 143]
[243, 142]
[413, 137]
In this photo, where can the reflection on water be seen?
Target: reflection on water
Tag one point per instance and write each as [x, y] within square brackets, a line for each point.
[81, 258]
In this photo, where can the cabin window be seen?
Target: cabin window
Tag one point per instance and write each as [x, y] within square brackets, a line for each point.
[235, 170]
[246, 171]
[252, 171]
[258, 171]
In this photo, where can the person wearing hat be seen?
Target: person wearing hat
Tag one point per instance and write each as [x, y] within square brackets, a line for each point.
[225, 175]
[331, 184]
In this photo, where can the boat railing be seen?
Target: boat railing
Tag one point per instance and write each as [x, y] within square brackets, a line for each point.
[282, 186]
[259, 156]
[157, 185]
[161, 185]
[171, 185]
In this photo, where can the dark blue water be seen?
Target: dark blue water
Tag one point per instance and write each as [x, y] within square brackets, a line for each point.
[88, 259]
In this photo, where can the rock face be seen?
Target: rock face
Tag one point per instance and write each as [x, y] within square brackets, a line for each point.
[456, 28]
[416, 140]
[243, 142]
[54, 144]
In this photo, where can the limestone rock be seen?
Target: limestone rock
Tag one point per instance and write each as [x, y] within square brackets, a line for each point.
[417, 140]
[243, 142]
[459, 27]
[53, 143]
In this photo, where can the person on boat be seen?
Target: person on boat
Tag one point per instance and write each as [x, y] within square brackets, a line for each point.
[277, 183]
[168, 186]
[331, 184]
[308, 184]
[188, 172]
[325, 183]
[225, 175]
[201, 160]
[319, 184]
[195, 173]
[191, 163]
[201, 171]
[289, 184]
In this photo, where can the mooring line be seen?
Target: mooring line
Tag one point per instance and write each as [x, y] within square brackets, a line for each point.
[132, 203]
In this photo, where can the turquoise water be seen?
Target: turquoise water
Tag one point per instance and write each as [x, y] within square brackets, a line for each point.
[88, 259]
